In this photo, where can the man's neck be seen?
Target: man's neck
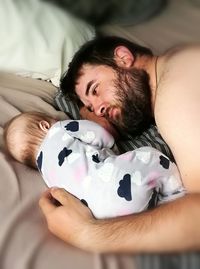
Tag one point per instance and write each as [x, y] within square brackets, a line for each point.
[150, 65]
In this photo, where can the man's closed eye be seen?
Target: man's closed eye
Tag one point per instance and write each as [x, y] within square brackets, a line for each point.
[94, 90]
[90, 109]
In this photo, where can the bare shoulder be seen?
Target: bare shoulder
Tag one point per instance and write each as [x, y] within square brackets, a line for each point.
[177, 110]
[181, 49]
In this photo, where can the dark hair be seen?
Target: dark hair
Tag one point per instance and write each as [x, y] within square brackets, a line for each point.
[99, 51]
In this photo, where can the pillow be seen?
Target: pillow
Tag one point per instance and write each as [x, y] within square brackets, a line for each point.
[150, 137]
[131, 12]
[64, 104]
[38, 39]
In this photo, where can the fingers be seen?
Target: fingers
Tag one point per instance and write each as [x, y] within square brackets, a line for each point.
[60, 195]
[55, 197]
[65, 198]
[46, 203]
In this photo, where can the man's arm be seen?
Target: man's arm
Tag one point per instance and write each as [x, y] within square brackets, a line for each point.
[168, 228]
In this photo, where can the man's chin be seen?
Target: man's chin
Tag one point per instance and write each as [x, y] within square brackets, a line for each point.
[121, 126]
[118, 125]
[115, 122]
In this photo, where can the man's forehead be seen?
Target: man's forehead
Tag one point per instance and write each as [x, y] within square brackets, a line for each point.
[86, 68]
[87, 73]
[92, 73]
[94, 67]
[84, 72]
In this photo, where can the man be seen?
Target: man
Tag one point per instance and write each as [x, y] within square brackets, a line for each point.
[127, 85]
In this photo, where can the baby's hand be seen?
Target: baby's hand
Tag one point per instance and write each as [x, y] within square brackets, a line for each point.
[87, 115]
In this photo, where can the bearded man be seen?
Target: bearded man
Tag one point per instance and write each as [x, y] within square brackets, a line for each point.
[127, 86]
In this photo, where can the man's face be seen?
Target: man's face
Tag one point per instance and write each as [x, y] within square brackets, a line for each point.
[122, 97]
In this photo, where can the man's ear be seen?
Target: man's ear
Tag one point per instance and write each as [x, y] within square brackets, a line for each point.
[123, 57]
[44, 125]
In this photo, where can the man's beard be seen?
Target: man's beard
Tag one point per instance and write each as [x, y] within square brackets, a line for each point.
[134, 98]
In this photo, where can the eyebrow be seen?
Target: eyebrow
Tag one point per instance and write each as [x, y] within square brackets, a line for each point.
[89, 84]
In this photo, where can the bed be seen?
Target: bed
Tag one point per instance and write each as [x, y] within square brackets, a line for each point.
[25, 242]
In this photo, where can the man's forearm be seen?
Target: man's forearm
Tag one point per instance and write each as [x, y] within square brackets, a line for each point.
[169, 228]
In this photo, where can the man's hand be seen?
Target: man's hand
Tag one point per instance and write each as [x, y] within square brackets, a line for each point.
[67, 217]
[171, 227]
[87, 115]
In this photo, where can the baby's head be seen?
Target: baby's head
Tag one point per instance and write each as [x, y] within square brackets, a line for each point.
[24, 134]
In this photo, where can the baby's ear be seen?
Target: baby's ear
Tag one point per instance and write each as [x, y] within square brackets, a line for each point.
[44, 125]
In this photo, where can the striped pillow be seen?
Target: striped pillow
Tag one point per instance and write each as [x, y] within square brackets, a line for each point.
[150, 137]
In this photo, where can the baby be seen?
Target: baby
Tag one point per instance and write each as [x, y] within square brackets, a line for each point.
[79, 156]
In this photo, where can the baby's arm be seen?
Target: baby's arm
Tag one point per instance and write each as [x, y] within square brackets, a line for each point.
[171, 186]
[159, 173]
[90, 133]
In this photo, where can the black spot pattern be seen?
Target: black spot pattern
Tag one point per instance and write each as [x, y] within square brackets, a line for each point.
[73, 126]
[95, 158]
[63, 154]
[39, 161]
[124, 189]
[84, 202]
[164, 162]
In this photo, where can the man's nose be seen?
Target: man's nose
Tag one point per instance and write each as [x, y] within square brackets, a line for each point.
[100, 110]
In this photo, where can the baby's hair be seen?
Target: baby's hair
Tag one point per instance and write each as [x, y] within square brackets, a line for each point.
[23, 136]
